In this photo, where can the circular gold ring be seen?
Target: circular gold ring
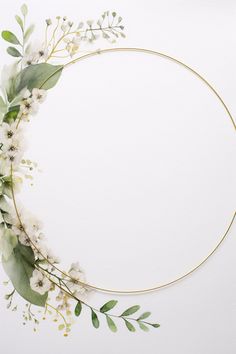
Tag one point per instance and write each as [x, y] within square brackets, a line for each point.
[222, 238]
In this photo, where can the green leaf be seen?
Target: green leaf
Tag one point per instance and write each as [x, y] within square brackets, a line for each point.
[10, 37]
[61, 327]
[8, 242]
[130, 310]
[13, 52]
[19, 267]
[24, 9]
[78, 308]
[143, 327]
[144, 315]
[43, 76]
[3, 105]
[95, 319]
[28, 32]
[111, 324]
[12, 114]
[108, 306]
[155, 325]
[130, 327]
[20, 22]
[4, 206]
[28, 254]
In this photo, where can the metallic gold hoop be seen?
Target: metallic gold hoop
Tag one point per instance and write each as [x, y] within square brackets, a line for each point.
[222, 238]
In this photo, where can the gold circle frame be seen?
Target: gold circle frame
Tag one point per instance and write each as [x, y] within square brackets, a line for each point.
[222, 238]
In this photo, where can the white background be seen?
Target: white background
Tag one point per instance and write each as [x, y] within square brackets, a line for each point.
[138, 177]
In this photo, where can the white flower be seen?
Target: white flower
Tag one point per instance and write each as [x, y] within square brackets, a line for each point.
[8, 131]
[35, 55]
[72, 45]
[13, 160]
[40, 251]
[34, 226]
[39, 95]
[28, 106]
[76, 277]
[26, 94]
[39, 282]
[24, 239]
[14, 146]
[27, 228]
[66, 25]
[43, 253]
[52, 258]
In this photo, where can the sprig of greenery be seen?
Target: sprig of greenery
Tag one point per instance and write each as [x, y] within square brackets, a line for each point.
[13, 39]
[105, 309]
[125, 316]
[108, 26]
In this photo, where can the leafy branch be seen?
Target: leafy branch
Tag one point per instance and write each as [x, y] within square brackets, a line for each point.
[105, 309]
[125, 316]
[108, 26]
[12, 38]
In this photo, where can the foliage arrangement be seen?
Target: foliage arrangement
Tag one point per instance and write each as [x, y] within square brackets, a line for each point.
[31, 266]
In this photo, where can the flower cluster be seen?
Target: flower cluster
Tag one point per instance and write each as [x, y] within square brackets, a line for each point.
[12, 147]
[30, 103]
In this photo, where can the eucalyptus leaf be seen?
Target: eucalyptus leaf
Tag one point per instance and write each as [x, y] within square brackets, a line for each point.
[130, 311]
[111, 324]
[13, 52]
[28, 32]
[43, 76]
[17, 99]
[10, 37]
[95, 319]
[24, 9]
[130, 327]
[4, 206]
[3, 106]
[78, 308]
[144, 315]
[143, 327]
[8, 242]
[19, 267]
[108, 306]
[20, 22]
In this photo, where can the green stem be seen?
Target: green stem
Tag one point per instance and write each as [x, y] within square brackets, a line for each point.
[58, 312]
[54, 49]
[69, 293]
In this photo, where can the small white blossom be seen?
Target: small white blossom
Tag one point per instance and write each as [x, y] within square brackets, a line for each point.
[72, 44]
[35, 55]
[28, 107]
[14, 146]
[9, 131]
[28, 228]
[24, 239]
[76, 278]
[39, 282]
[52, 258]
[40, 251]
[13, 160]
[39, 95]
